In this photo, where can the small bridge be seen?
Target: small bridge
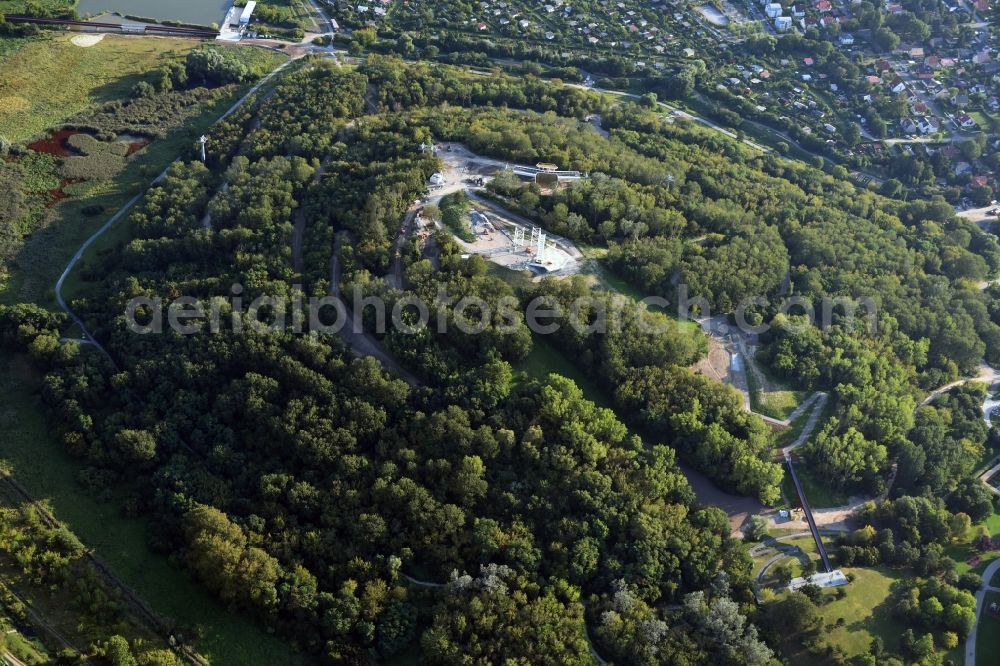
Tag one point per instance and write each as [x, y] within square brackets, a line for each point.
[809, 515]
[534, 172]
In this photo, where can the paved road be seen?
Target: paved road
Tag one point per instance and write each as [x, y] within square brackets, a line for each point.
[421, 583]
[970, 642]
[678, 113]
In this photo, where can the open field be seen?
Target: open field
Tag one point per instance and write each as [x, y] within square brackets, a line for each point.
[47, 79]
[865, 613]
[988, 634]
[864, 609]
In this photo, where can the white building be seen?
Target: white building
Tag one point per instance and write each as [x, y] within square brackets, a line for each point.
[773, 10]
[783, 23]
[247, 12]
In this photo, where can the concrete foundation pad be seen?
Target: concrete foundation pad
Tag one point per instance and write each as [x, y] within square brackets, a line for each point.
[835, 578]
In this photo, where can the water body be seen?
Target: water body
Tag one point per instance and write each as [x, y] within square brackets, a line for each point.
[199, 12]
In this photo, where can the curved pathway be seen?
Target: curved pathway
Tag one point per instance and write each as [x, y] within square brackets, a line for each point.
[359, 341]
[987, 375]
[420, 583]
[970, 642]
[60, 299]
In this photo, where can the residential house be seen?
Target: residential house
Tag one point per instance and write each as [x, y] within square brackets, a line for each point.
[908, 126]
[960, 100]
[928, 125]
[846, 39]
[965, 121]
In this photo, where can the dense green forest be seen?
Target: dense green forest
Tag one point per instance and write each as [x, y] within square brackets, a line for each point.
[311, 488]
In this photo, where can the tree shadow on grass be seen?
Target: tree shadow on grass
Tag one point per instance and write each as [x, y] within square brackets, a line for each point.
[880, 621]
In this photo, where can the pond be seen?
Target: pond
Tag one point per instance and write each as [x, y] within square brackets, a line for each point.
[199, 12]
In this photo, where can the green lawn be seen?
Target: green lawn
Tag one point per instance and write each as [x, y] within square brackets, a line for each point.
[779, 404]
[865, 614]
[806, 544]
[611, 280]
[41, 464]
[988, 635]
[818, 492]
[545, 359]
[780, 400]
[47, 79]
[23, 648]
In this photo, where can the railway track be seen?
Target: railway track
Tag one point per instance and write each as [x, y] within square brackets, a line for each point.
[140, 609]
[150, 28]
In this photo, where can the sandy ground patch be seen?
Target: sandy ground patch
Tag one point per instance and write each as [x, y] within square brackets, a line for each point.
[87, 40]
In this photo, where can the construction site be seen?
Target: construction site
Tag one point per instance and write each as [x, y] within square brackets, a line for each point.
[502, 237]
[514, 245]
